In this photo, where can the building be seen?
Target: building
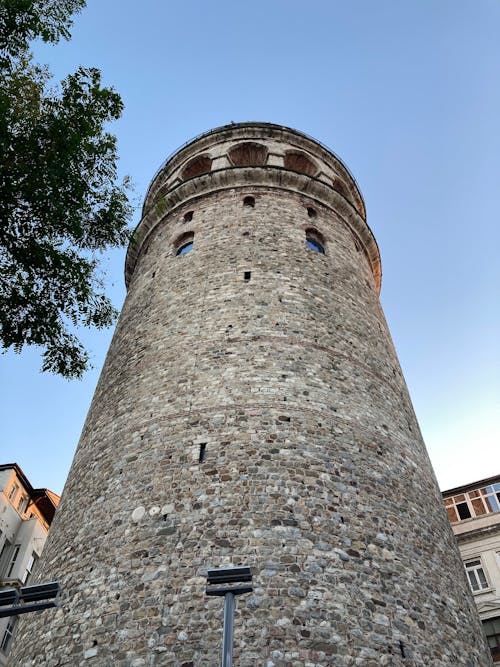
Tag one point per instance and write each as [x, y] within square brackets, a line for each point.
[252, 411]
[474, 513]
[25, 517]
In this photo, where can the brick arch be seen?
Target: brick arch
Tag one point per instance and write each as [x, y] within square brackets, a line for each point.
[247, 154]
[298, 161]
[201, 164]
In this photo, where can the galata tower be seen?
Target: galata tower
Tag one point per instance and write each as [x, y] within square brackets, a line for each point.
[252, 411]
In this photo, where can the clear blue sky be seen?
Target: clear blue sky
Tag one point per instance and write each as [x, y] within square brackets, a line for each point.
[406, 93]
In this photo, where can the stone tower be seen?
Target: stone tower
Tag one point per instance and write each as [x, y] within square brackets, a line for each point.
[252, 411]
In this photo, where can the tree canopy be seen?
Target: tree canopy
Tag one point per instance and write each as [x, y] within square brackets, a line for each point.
[61, 203]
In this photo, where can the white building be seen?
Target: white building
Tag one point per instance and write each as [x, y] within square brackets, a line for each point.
[25, 517]
[474, 513]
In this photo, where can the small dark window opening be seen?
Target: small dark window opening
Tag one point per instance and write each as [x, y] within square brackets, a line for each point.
[249, 201]
[188, 216]
[463, 511]
[402, 649]
[203, 452]
[247, 275]
[311, 212]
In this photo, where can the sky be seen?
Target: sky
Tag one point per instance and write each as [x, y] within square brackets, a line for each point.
[407, 94]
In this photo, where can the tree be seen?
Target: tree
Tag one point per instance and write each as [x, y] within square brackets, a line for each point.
[61, 204]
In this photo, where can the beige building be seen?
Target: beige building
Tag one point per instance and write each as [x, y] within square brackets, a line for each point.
[25, 517]
[474, 513]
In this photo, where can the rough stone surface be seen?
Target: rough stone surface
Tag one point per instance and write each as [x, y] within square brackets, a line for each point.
[315, 473]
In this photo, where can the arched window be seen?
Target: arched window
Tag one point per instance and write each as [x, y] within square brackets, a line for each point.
[248, 154]
[196, 167]
[249, 201]
[315, 241]
[299, 162]
[184, 244]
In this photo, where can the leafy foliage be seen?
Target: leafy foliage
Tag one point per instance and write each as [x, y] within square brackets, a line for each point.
[60, 202]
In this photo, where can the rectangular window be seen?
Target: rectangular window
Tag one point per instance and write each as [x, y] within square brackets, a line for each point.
[475, 575]
[473, 503]
[13, 558]
[491, 629]
[29, 567]
[13, 491]
[7, 635]
[21, 505]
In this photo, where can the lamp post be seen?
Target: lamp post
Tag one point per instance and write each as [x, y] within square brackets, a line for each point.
[230, 575]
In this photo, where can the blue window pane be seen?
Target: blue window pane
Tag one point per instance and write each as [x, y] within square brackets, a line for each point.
[315, 245]
[187, 247]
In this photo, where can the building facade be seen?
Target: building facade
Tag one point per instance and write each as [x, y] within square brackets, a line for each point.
[474, 513]
[252, 411]
[25, 517]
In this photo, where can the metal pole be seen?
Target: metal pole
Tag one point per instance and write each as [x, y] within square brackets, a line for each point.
[228, 630]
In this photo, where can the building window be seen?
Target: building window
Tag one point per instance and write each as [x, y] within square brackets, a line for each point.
[13, 491]
[249, 201]
[29, 567]
[314, 241]
[491, 629]
[7, 635]
[184, 244]
[13, 558]
[484, 500]
[21, 505]
[475, 575]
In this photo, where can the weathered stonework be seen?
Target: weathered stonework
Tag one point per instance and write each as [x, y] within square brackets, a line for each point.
[315, 473]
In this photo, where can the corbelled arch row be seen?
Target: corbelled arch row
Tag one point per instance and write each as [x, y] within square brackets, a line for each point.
[252, 411]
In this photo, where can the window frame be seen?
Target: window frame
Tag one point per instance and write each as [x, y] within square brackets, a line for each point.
[8, 634]
[475, 570]
[490, 493]
[13, 492]
[16, 548]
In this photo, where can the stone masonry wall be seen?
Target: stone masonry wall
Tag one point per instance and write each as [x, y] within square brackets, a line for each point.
[315, 472]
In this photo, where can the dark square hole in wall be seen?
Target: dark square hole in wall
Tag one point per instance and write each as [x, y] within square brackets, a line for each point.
[249, 201]
[188, 216]
[203, 452]
[247, 276]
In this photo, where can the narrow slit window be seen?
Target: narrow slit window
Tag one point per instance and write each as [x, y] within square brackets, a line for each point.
[203, 452]
[247, 276]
